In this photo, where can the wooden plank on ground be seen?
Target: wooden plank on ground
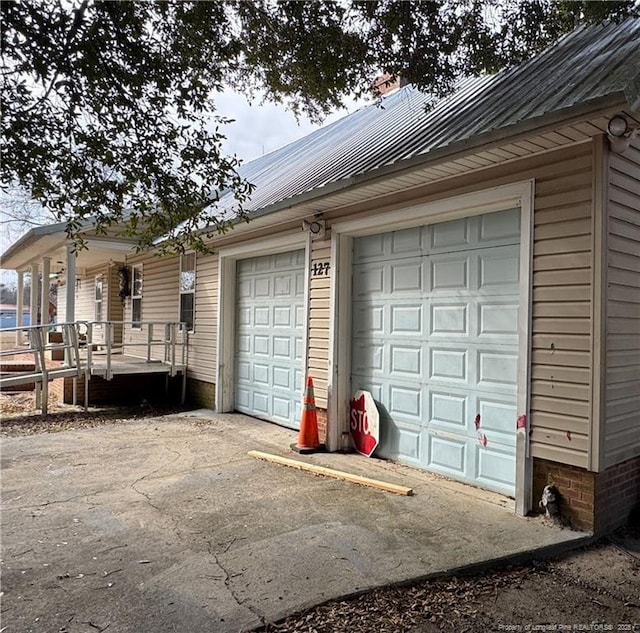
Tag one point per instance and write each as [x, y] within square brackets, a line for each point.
[330, 472]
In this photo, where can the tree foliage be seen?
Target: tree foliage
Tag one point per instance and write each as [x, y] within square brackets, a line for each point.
[108, 108]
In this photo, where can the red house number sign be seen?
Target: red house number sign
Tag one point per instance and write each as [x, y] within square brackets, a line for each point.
[364, 423]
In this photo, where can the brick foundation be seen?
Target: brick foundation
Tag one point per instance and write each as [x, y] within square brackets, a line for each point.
[595, 502]
[617, 493]
[201, 394]
[321, 414]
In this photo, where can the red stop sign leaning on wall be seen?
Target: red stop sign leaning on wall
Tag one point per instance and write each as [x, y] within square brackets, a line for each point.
[364, 423]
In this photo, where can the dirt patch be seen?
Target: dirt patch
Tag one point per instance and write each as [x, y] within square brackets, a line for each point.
[594, 589]
[20, 417]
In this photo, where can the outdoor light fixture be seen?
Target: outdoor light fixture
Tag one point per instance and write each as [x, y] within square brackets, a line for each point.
[316, 226]
[617, 126]
[620, 133]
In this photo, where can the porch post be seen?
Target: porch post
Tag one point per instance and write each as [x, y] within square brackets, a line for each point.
[19, 307]
[44, 310]
[70, 296]
[34, 295]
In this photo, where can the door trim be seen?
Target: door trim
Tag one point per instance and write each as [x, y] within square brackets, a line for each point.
[226, 338]
[520, 194]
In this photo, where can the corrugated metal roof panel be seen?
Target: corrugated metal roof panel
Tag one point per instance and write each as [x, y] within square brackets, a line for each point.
[590, 63]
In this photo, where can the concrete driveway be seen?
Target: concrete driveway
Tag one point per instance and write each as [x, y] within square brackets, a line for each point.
[166, 524]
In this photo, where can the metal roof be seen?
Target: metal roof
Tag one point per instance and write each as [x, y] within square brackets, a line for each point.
[587, 65]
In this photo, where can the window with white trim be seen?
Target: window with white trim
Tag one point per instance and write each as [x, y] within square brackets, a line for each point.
[187, 289]
[136, 295]
[99, 286]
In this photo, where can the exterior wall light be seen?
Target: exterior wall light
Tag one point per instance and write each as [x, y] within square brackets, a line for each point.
[620, 133]
[316, 227]
[617, 126]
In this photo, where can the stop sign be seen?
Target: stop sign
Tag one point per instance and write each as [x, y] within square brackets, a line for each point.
[364, 423]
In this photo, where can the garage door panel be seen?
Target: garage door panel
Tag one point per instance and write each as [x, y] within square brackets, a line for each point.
[406, 243]
[261, 345]
[499, 269]
[244, 343]
[244, 289]
[454, 234]
[404, 319]
[244, 316]
[368, 358]
[243, 370]
[270, 327]
[500, 227]
[399, 441]
[446, 455]
[406, 402]
[497, 319]
[495, 466]
[243, 399]
[282, 347]
[406, 276]
[450, 319]
[497, 420]
[448, 411]
[406, 360]
[284, 317]
[368, 281]
[368, 319]
[262, 287]
[435, 340]
[260, 374]
[282, 408]
[449, 272]
[261, 316]
[449, 365]
[497, 370]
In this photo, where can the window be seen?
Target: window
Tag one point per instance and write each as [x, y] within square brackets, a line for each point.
[187, 289]
[136, 295]
[98, 298]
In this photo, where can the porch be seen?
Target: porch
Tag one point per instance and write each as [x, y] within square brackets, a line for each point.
[82, 350]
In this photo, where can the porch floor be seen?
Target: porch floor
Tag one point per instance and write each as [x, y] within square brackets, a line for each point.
[127, 364]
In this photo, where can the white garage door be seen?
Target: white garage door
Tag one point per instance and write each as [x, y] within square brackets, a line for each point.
[270, 337]
[435, 340]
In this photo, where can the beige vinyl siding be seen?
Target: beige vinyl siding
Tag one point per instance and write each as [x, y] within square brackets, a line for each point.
[159, 299]
[622, 399]
[202, 342]
[318, 347]
[561, 323]
[562, 279]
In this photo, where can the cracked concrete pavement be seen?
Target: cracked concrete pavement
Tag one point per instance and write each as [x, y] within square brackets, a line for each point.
[166, 524]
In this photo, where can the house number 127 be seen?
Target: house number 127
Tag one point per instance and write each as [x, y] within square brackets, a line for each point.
[320, 269]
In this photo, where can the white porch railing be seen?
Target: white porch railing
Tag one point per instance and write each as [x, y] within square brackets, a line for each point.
[92, 348]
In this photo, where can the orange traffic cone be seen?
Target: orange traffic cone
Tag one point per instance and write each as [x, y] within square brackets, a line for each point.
[308, 441]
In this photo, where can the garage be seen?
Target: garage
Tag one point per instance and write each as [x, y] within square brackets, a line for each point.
[270, 336]
[435, 340]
